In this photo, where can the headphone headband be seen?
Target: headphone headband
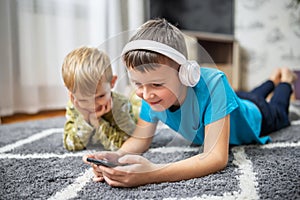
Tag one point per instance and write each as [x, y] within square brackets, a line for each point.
[189, 72]
[156, 47]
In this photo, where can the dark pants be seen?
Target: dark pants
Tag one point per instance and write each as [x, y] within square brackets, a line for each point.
[275, 114]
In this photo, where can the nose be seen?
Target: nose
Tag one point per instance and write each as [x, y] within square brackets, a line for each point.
[145, 93]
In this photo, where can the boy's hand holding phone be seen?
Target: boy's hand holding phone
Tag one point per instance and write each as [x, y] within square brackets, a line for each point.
[104, 158]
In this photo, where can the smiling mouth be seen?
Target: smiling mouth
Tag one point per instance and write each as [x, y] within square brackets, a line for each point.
[154, 103]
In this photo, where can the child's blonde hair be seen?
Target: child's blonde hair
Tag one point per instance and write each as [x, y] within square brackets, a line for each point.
[84, 68]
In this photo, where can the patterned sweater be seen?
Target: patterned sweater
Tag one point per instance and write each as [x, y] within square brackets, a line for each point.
[115, 127]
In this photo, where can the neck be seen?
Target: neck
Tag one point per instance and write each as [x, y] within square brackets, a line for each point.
[181, 96]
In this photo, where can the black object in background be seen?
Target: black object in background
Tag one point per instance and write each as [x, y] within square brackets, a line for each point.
[212, 16]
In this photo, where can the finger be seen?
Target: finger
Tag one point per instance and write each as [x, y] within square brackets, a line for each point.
[102, 155]
[111, 156]
[112, 173]
[96, 168]
[113, 183]
[108, 106]
[104, 109]
[100, 112]
[98, 179]
[97, 172]
[84, 158]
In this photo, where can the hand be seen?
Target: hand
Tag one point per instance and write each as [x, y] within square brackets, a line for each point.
[140, 171]
[94, 117]
[107, 155]
[98, 173]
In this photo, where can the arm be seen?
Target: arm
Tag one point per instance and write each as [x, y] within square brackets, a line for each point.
[77, 131]
[213, 159]
[140, 140]
[109, 136]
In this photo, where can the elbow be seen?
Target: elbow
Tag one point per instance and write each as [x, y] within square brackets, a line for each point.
[221, 162]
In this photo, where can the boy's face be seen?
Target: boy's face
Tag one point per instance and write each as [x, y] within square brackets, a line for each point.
[95, 102]
[160, 88]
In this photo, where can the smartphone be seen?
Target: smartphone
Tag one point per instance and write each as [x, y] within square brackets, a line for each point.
[102, 162]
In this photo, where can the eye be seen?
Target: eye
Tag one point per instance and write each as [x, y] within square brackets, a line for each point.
[100, 96]
[157, 85]
[137, 84]
[82, 101]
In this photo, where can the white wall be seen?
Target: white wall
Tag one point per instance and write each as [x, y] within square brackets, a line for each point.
[269, 35]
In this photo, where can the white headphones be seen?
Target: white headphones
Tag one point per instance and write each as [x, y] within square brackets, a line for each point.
[189, 72]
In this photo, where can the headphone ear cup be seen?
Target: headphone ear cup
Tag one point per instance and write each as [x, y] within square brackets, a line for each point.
[189, 73]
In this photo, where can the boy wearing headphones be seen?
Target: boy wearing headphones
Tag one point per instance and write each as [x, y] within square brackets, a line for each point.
[196, 102]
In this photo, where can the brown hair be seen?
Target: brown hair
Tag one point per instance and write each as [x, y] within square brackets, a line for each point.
[159, 30]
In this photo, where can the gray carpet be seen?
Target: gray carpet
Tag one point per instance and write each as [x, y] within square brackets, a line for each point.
[34, 165]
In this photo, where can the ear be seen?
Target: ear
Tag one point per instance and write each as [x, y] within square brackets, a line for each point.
[113, 81]
[71, 96]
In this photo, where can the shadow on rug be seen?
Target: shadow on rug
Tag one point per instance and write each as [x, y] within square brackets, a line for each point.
[34, 165]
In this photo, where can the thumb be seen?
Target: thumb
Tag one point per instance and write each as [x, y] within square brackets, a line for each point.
[84, 158]
[131, 159]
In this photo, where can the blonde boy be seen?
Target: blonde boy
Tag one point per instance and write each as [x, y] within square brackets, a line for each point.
[95, 114]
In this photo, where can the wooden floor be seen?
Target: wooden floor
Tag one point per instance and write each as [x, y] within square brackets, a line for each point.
[20, 117]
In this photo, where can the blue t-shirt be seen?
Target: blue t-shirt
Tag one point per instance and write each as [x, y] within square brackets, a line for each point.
[210, 100]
